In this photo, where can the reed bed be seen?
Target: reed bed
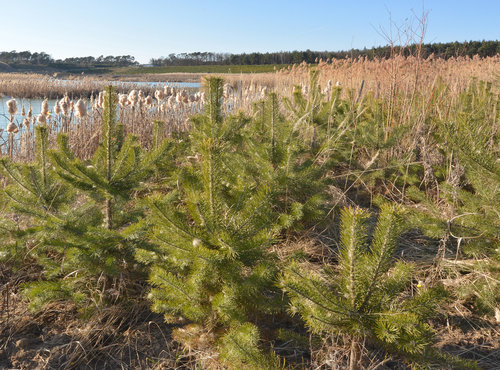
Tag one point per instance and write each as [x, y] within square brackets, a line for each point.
[397, 80]
[29, 86]
[380, 76]
[138, 111]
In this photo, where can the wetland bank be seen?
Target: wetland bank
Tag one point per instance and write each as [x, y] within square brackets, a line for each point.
[336, 215]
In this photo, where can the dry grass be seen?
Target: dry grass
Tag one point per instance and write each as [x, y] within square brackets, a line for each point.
[57, 337]
[380, 76]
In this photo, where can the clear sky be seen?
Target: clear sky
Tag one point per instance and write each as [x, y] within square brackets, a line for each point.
[153, 28]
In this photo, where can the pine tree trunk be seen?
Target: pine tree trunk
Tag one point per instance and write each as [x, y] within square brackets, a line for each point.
[273, 114]
[355, 355]
[109, 133]
[108, 214]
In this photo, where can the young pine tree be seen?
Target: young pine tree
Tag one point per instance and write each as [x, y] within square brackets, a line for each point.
[299, 168]
[466, 213]
[85, 212]
[42, 221]
[212, 265]
[366, 295]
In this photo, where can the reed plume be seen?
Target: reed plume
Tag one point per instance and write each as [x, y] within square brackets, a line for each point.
[12, 107]
[57, 108]
[159, 95]
[45, 107]
[41, 118]
[100, 100]
[81, 108]
[12, 127]
[132, 97]
[123, 100]
[64, 106]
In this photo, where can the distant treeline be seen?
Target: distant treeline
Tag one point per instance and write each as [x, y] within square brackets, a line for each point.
[440, 50]
[44, 59]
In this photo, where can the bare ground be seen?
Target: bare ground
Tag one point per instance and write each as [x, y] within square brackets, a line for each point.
[133, 337]
[58, 338]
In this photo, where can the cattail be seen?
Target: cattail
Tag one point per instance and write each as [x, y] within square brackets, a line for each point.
[141, 94]
[185, 99]
[12, 128]
[123, 100]
[81, 108]
[132, 97]
[192, 98]
[30, 112]
[41, 118]
[171, 100]
[12, 105]
[149, 101]
[45, 108]
[263, 92]
[57, 107]
[26, 123]
[23, 111]
[100, 100]
[159, 95]
[178, 98]
[167, 91]
[64, 106]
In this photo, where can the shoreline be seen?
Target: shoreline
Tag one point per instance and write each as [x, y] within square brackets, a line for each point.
[157, 77]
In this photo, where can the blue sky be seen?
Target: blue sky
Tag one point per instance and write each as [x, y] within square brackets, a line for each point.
[155, 28]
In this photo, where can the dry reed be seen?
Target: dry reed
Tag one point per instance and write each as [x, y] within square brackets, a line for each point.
[29, 86]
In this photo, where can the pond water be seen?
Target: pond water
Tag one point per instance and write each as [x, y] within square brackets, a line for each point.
[189, 85]
[36, 104]
[152, 84]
